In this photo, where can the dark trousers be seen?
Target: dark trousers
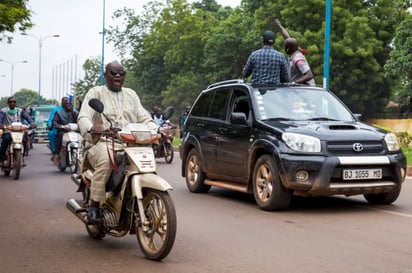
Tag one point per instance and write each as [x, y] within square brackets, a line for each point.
[5, 142]
[59, 139]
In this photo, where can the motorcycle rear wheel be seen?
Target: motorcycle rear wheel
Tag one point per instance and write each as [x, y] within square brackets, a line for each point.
[157, 239]
[168, 152]
[17, 164]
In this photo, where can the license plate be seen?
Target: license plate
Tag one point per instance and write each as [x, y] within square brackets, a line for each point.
[359, 174]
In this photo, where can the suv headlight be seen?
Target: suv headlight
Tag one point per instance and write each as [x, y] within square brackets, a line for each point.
[302, 143]
[392, 142]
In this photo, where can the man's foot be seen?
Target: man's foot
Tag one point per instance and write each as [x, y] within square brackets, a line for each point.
[93, 215]
[56, 160]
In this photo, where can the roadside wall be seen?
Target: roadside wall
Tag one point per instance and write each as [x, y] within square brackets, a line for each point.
[396, 125]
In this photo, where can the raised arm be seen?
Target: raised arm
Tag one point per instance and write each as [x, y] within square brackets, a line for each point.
[282, 30]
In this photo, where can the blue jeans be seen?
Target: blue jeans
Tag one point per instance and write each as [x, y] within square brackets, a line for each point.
[52, 134]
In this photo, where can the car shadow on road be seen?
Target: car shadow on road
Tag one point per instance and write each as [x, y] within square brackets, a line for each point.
[330, 204]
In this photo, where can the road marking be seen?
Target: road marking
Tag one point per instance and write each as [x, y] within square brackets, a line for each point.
[390, 212]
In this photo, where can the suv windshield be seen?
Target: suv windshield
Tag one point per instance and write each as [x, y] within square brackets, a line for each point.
[299, 104]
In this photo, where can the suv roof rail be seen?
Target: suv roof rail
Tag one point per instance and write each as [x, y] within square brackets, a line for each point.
[226, 82]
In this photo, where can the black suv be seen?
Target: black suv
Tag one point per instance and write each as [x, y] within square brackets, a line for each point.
[279, 141]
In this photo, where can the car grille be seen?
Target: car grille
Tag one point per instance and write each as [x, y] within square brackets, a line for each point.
[346, 148]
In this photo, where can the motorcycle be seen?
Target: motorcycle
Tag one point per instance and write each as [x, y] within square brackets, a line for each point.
[164, 147]
[28, 141]
[71, 151]
[14, 154]
[138, 200]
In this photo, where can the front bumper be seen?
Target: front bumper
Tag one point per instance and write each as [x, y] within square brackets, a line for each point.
[325, 174]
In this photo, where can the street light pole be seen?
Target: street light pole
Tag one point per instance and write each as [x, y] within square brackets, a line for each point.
[12, 72]
[40, 40]
[103, 33]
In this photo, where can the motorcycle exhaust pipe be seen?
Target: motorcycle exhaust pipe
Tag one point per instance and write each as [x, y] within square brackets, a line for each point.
[80, 212]
[76, 179]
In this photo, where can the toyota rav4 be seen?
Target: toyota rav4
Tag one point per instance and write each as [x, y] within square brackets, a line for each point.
[279, 141]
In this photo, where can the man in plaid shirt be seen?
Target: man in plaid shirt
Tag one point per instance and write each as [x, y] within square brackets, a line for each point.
[266, 65]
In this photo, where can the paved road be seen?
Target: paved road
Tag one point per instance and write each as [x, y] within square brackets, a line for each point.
[221, 231]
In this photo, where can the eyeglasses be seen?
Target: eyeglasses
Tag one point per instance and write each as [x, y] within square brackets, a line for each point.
[12, 101]
[115, 72]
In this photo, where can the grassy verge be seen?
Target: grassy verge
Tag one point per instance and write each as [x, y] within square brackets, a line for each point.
[176, 142]
[408, 153]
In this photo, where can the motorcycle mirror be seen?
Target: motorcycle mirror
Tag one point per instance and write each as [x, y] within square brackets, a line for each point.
[168, 112]
[97, 105]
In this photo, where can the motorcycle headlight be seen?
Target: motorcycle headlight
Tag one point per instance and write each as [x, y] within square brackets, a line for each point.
[139, 137]
[302, 143]
[392, 142]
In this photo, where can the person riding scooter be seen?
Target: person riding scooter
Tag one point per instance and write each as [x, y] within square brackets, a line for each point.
[61, 118]
[122, 106]
[8, 115]
[52, 132]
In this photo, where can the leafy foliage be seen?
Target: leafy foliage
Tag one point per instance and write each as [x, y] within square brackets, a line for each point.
[14, 14]
[92, 69]
[26, 98]
[176, 48]
[399, 66]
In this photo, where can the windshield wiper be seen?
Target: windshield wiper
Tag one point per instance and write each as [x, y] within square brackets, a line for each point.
[277, 119]
[322, 118]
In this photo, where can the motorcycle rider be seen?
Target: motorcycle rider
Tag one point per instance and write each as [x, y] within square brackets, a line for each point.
[52, 133]
[122, 106]
[157, 115]
[8, 115]
[61, 118]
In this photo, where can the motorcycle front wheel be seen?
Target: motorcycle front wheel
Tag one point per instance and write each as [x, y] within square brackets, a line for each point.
[157, 238]
[76, 161]
[168, 152]
[17, 164]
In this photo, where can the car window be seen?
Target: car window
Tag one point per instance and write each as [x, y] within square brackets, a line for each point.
[240, 102]
[218, 106]
[202, 105]
[300, 104]
[211, 104]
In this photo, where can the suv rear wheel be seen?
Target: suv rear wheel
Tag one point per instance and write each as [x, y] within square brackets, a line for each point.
[194, 175]
[268, 190]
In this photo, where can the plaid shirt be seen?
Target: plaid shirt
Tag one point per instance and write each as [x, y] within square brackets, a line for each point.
[267, 66]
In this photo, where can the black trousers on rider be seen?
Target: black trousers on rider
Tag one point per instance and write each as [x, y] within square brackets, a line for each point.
[5, 142]
[59, 139]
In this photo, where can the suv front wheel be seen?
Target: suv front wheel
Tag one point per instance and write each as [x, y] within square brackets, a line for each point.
[268, 190]
[194, 175]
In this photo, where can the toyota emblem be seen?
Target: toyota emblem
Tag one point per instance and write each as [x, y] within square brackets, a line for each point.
[357, 147]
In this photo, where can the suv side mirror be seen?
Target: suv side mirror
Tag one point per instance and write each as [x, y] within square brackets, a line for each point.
[238, 118]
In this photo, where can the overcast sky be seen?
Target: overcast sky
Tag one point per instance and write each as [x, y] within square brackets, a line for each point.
[78, 22]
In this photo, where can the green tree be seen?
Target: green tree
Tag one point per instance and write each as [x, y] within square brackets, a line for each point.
[26, 98]
[399, 66]
[14, 14]
[176, 48]
[91, 78]
[361, 33]
[168, 43]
